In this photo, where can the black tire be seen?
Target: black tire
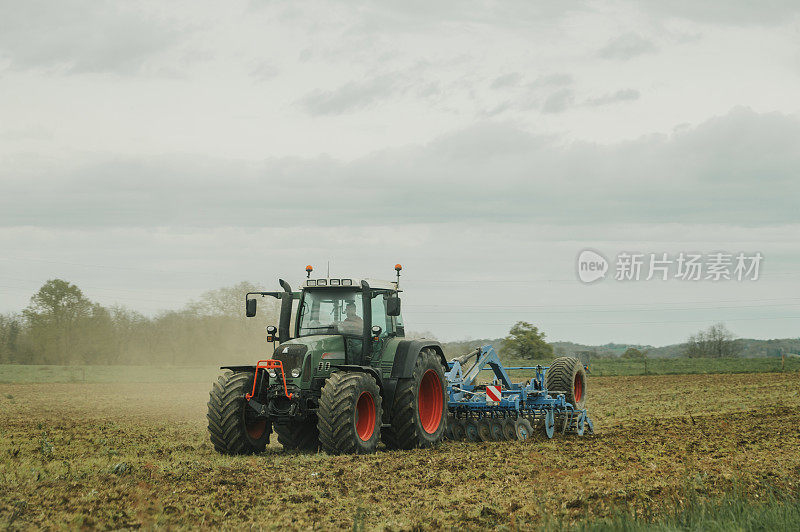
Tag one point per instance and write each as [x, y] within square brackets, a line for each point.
[419, 412]
[300, 435]
[523, 428]
[496, 427]
[459, 432]
[509, 429]
[349, 415]
[233, 426]
[485, 430]
[566, 375]
[448, 431]
[471, 432]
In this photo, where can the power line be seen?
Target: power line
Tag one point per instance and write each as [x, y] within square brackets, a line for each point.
[548, 324]
[577, 310]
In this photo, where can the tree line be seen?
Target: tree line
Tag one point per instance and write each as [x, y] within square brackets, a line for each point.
[62, 326]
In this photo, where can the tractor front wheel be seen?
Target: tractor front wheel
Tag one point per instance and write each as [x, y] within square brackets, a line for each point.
[349, 415]
[419, 412]
[233, 426]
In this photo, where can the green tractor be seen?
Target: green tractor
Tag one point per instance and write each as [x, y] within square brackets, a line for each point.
[342, 376]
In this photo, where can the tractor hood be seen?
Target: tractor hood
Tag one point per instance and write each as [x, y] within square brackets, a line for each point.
[313, 355]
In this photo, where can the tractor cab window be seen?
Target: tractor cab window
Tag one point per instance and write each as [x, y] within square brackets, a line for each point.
[331, 311]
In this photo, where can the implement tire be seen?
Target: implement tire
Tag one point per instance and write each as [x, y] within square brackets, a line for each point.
[349, 415]
[566, 375]
[419, 412]
[300, 435]
[233, 426]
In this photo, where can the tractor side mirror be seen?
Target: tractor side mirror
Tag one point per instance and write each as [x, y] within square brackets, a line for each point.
[250, 308]
[393, 306]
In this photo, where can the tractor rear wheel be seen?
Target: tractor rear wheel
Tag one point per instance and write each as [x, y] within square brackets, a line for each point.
[298, 435]
[349, 415]
[233, 426]
[419, 412]
[566, 375]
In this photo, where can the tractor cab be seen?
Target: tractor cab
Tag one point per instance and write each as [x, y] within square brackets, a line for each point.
[335, 309]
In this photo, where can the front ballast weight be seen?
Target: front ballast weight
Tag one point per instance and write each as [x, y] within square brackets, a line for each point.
[552, 401]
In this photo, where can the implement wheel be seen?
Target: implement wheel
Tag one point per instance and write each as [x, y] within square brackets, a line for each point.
[485, 429]
[298, 435]
[471, 429]
[459, 432]
[496, 427]
[420, 406]
[349, 415]
[523, 428]
[509, 430]
[234, 427]
[566, 375]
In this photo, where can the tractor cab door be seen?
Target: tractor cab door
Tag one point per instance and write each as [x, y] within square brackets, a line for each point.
[391, 326]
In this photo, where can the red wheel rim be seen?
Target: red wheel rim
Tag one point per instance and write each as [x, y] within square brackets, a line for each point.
[430, 401]
[578, 387]
[255, 429]
[365, 416]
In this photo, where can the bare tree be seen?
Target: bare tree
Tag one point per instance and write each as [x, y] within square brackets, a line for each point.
[715, 342]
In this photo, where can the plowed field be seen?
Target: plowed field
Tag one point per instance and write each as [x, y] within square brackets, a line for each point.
[137, 455]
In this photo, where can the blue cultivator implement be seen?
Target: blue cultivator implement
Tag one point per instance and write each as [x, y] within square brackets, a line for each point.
[552, 400]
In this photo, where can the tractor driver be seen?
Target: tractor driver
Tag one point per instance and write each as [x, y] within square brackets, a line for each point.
[352, 322]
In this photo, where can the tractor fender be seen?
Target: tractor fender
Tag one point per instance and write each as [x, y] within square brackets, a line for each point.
[362, 369]
[405, 357]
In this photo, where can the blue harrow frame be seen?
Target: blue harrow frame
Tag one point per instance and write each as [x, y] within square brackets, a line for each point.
[529, 400]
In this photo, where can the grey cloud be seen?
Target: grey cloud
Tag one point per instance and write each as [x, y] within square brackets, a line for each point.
[512, 79]
[626, 47]
[731, 12]
[739, 169]
[624, 95]
[417, 15]
[80, 35]
[352, 96]
[552, 80]
[558, 102]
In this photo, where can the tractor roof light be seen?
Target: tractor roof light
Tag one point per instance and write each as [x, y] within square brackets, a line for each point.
[309, 269]
[311, 282]
[334, 282]
[347, 282]
[322, 282]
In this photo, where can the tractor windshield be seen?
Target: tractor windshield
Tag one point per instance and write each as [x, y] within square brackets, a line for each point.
[331, 311]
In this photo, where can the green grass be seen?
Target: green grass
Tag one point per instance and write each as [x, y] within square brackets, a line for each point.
[733, 511]
[673, 366]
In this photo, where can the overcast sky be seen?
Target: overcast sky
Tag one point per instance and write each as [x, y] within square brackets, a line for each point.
[150, 151]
